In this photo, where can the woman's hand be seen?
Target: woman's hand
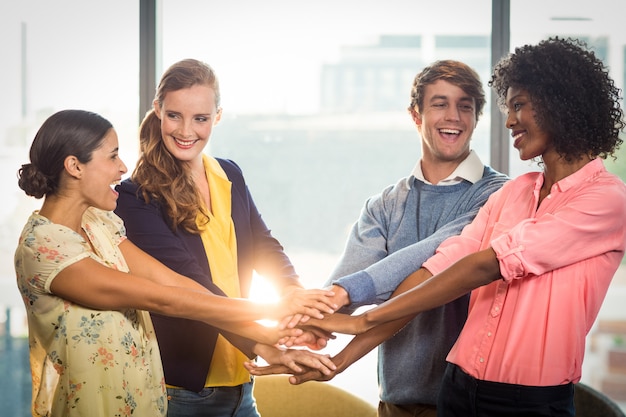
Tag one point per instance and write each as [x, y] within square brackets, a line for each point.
[294, 361]
[306, 373]
[269, 335]
[293, 321]
[337, 323]
[312, 338]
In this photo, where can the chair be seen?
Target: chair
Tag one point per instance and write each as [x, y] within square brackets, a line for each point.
[592, 403]
[276, 397]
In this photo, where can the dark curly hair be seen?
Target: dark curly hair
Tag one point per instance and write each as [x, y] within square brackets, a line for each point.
[575, 100]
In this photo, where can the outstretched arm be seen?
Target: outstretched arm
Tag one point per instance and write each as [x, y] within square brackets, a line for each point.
[355, 350]
[419, 292]
[470, 272]
[377, 282]
[312, 302]
[153, 287]
[295, 360]
[369, 273]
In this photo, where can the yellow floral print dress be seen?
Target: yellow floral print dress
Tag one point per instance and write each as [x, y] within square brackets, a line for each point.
[85, 362]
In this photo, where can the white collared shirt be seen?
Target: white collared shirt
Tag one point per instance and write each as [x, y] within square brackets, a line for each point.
[470, 169]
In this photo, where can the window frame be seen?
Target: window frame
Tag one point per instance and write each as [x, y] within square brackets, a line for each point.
[500, 44]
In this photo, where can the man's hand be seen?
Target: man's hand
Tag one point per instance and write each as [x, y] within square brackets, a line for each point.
[312, 338]
[341, 297]
[300, 304]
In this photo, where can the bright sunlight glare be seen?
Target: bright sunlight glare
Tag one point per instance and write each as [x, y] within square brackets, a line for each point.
[263, 291]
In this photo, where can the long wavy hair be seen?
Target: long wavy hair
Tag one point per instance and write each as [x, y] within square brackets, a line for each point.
[160, 175]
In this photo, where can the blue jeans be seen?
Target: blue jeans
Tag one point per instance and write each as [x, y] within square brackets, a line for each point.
[212, 402]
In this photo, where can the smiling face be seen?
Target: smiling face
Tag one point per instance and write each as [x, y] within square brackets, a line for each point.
[446, 123]
[187, 119]
[528, 138]
[102, 173]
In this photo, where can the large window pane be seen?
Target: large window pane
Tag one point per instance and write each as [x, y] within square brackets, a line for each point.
[598, 23]
[315, 97]
[55, 55]
[593, 21]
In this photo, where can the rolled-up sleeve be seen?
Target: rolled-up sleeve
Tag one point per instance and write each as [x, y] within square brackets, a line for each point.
[563, 232]
[573, 223]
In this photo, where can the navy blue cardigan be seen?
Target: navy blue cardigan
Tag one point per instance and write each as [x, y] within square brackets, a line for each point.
[187, 346]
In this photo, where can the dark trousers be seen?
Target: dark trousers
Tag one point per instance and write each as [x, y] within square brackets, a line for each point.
[406, 410]
[462, 395]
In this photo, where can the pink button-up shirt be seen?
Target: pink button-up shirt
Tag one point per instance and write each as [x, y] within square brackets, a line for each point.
[557, 261]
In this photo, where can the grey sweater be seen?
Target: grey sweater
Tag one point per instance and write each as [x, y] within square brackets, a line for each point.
[397, 231]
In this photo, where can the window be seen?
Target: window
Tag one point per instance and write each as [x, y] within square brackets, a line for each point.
[592, 22]
[598, 24]
[314, 97]
[55, 55]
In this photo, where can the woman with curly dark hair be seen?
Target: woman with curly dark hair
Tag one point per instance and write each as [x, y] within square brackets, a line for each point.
[538, 257]
[574, 100]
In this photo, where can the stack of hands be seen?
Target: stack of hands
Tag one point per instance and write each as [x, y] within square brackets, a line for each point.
[311, 321]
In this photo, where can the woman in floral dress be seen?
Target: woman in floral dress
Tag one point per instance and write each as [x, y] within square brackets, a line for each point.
[87, 288]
